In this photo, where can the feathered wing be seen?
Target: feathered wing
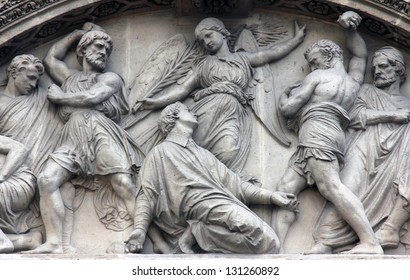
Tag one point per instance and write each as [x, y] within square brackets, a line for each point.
[170, 62]
[260, 94]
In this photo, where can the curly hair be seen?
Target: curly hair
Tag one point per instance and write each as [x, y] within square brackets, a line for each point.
[328, 49]
[21, 62]
[168, 118]
[88, 38]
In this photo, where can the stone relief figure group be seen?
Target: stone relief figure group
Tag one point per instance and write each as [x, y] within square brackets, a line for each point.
[188, 191]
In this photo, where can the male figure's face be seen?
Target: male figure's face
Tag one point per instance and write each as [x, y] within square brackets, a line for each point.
[317, 60]
[384, 74]
[211, 40]
[96, 54]
[25, 80]
[187, 117]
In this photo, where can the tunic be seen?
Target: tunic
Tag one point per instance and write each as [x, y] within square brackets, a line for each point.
[91, 143]
[321, 135]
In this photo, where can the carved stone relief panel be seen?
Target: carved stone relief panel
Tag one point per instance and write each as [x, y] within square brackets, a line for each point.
[99, 148]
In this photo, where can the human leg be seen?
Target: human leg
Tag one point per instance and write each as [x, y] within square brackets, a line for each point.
[388, 234]
[291, 182]
[68, 195]
[353, 177]
[231, 228]
[52, 210]
[26, 241]
[124, 186]
[160, 246]
[326, 175]
[6, 246]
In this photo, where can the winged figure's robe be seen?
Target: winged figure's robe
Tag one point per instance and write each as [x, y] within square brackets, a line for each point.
[222, 111]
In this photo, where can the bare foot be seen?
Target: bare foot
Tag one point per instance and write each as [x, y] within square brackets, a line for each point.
[68, 249]
[369, 249]
[186, 241]
[388, 238]
[46, 248]
[6, 246]
[320, 248]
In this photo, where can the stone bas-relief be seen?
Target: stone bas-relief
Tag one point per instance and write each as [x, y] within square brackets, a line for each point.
[26, 143]
[223, 86]
[196, 200]
[91, 144]
[240, 126]
[376, 166]
[319, 107]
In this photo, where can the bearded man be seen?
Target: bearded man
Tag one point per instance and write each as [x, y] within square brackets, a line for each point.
[377, 167]
[91, 143]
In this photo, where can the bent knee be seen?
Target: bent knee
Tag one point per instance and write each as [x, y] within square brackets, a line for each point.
[123, 185]
[47, 183]
[270, 243]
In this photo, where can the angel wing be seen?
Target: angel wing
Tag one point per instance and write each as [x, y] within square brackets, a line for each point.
[170, 62]
[261, 95]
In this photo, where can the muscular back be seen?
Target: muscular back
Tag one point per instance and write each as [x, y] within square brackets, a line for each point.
[334, 85]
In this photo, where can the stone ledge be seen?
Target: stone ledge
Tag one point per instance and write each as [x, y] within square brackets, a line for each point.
[200, 257]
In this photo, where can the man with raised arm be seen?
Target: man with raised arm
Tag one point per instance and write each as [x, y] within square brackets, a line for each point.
[91, 144]
[318, 107]
[197, 202]
[377, 166]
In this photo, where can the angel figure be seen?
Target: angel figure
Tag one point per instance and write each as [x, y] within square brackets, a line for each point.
[222, 84]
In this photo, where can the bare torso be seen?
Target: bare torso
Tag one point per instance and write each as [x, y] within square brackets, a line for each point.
[334, 86]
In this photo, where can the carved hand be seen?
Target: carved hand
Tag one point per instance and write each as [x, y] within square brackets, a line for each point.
[54, 92]
[300, 32]
[285, 200]
[2, 178]
[349, 20]
[199, 95]
[401, 116]
[147, 104]
[135, 242]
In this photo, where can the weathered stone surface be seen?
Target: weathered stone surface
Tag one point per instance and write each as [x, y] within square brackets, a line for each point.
[139, 29]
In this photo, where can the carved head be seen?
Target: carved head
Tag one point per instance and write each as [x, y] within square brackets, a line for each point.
[213, 24]
[176, 112]
[24, 72]
[169, 117]
[95, 47]
[322, 53]
[211, 34]
[388, 64]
